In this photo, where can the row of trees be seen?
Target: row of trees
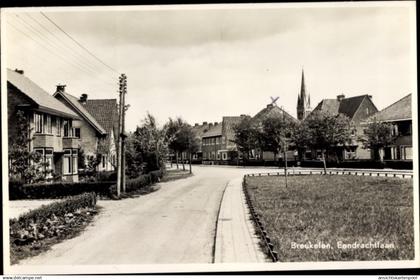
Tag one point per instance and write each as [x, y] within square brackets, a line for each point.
[322, 131]
[149, 145]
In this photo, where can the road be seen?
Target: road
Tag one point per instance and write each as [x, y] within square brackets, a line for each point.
[175, 224]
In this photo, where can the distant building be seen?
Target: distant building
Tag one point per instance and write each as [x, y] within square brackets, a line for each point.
[272, 111]
[304, 101]
[357, 108]
[399, 115]
[213, 142]
[51, 124]
[96, 128]
[199, 130]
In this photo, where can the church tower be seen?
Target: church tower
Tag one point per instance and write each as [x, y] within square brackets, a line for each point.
[304, 101]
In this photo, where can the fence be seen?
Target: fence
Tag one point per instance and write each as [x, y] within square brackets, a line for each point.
[361, 172]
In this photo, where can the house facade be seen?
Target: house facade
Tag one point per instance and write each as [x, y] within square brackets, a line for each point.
[95, 128]
[50, 124]
[400, 116]
[357, 109]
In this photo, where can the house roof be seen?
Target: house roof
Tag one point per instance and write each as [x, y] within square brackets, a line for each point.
[228, 125]
[81, 110]
[400, 110]
[347, 106]
[105, 111]
[214, 130]
[199, 130]
[42, 99]
[272, 111]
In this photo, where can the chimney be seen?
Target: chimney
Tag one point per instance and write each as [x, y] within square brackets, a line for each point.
[370, 97]
[243, 115]
[269, 105]
[196, 124]
[204, 123]
[19, 71]
[216, 123]
[211, 124]
[340, 97]
[83, 98]
[61, 88]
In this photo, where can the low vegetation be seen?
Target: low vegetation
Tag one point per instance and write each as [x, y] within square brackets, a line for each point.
[39, 229]
[17, 190]
[344, 213]
[175, 174]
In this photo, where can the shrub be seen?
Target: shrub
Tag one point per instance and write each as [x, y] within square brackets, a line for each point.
[48, 220]
[56, 190]
[142, 181]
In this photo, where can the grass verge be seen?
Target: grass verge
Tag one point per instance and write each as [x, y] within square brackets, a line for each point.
[336, 218]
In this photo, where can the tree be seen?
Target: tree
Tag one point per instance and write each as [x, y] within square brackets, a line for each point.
[326, 131]
[187, 142]
[246, 136]
[174, 137]
[378, 135]
[145, 148]
[276, 134]
[24, 164]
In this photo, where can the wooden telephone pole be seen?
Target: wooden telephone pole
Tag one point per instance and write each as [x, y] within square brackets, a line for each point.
[121, 136]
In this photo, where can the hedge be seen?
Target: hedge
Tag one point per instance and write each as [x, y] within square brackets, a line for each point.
[17, 190]
[142, 181]
[46, 220]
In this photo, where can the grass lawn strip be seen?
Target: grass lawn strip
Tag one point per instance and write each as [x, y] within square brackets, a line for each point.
[336, 209]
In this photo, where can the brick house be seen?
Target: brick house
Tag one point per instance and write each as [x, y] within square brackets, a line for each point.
[399, 115]
[50, 122]
[272, 111]
[357, 108]
[213, 142]
[199, 130]
[96, 128]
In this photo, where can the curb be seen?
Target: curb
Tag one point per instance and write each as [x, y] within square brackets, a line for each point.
[269, 247]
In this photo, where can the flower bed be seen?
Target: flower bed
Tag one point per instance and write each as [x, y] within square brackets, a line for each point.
[38, 229]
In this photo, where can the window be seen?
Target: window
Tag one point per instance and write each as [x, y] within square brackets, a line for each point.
[103, 161]
[74, 158]
[224, 156]
[77, 132]
[67, 165]
[67, 128]
[49, 160]
[217, 140]
[47, 124]
[39, 124]
[58, 126]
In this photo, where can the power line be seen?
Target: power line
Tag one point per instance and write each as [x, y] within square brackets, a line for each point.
[80, 45]
[59, 56]
[76, 55]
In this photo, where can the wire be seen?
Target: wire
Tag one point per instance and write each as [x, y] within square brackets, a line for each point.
[60, 56]
[80, 45]
[75, 54]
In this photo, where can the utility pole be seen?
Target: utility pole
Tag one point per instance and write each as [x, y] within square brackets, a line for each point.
[121, 136]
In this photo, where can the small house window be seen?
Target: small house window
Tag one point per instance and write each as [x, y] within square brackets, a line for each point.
[39, 123]
[77, 132]
[58, 126]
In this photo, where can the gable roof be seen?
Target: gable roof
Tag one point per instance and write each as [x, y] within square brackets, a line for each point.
[42, 99]
[214, 130]
[347, 106]
[105, 111]
[399, 110]
[272, 111]
[79, 109]
[199, 130]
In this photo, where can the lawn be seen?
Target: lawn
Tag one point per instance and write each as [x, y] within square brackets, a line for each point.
[336, 218]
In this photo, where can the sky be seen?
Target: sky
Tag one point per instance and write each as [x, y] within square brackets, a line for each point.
[205, 62]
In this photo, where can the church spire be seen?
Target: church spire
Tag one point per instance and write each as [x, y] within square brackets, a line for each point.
[303, 106]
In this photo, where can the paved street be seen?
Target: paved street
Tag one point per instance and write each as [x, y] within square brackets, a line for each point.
[176, 224]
